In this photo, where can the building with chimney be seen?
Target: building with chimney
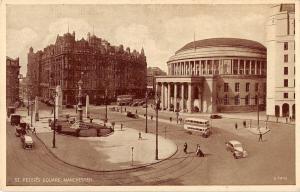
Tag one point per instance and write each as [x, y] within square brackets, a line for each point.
[280, 29]
[101, 66]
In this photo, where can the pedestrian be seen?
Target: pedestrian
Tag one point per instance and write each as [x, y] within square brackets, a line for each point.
[286, 120]
[121, 126]
[140, 135]
[151, 117]
[244, 123]
[236, 126]
[125, 109]
[33, 131]
[185, 148]
[136, 111]
[276, 119]
[290, 118]
[170, 119]
[113, 125]
[260, 137]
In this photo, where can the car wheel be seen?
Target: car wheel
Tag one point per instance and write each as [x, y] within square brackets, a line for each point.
[234, 155]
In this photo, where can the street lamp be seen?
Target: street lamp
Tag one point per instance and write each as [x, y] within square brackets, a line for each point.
[54, 116]
[105, 106]
[156, 129]
[146, 128]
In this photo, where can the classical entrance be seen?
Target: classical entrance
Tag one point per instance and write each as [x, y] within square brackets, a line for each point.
[285, 110]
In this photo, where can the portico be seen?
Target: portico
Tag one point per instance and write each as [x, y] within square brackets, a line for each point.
[182, 93]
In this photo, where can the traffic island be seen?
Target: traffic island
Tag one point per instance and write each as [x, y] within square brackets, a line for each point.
[119, 151]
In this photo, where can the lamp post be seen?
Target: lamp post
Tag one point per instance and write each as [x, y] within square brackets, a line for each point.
[54, 117]
[156, 129]
[146, 128]
[105, 106]
[80, 110]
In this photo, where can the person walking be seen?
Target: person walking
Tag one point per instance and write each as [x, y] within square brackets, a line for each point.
[140, 135]
[244, 123]
[151, 117]
[185, 148]
[136, 111]
[236, 126]
[170, 119]
[260, 137]
[33, 131]
[197, 150]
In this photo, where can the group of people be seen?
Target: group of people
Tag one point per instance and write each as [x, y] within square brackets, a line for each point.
[199, 152]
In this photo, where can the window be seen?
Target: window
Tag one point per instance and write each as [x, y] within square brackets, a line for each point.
[286, 58]
[286, 46]
[285, 95]
[225, 87]
[226, 100]
[247, 100]
[247, 87]
[286, 70]
[237, 87]
[237, 100]
[286, 83]
[256, 86]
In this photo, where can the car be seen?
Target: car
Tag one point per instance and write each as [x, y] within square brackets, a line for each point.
[144, 106]
[135, 104]
[131, 115]
[27, 142]
[236, 148]
[215, 116]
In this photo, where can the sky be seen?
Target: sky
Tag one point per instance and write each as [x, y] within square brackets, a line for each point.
[159, 29]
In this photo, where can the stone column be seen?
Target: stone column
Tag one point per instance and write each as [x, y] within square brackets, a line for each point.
[175, 96]
[169, 96]
[87, 103]
[163, 95]
[182, 96]
[245, 62]
[255, 67]
[189, 102]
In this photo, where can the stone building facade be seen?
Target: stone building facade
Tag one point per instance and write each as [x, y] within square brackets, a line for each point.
[12, 81]
[152, 72]
[215, 75]
[280, 29]
[100, 65]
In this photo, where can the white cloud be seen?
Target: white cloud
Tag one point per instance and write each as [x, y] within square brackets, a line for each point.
[60, 26]
[19, 40]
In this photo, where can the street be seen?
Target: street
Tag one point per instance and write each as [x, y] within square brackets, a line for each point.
[218, 167]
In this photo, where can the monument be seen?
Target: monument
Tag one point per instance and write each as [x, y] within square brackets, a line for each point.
[58, 102]
[36, 109]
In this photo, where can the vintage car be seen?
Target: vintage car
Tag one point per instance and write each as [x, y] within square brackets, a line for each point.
[215, 116]
[236, 148]
[131, 115]
[15, 119]
[27, 142]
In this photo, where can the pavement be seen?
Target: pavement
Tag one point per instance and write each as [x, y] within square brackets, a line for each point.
[121, 150]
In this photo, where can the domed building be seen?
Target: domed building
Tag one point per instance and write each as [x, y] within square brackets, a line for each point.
[215, 75]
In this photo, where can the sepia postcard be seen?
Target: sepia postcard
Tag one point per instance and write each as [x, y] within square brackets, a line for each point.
[150, 96]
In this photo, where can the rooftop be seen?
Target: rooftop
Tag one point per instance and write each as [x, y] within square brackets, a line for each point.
[221, 42]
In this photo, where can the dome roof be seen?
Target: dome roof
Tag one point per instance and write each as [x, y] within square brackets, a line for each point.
[221, 42]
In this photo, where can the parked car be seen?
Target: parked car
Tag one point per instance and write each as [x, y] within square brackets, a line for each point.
[215, 116]
[15, 119]
[131, 115]
[27, 142]
[135, 104]
[236, 148]
[19, 131]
